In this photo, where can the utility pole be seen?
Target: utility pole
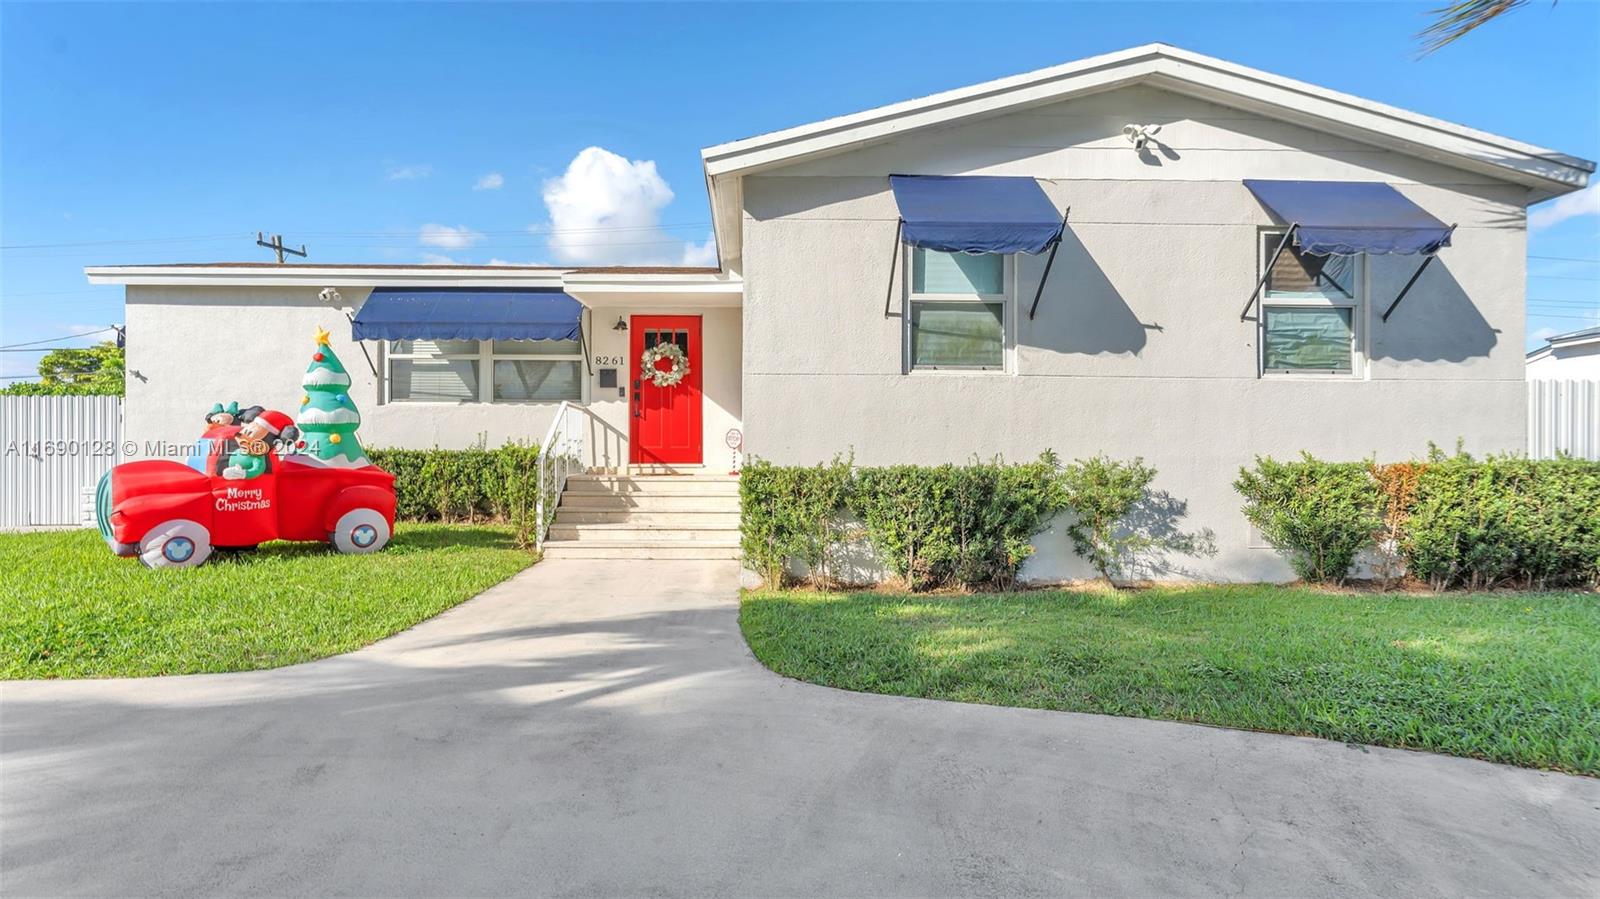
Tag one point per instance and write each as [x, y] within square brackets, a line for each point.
[276, 245]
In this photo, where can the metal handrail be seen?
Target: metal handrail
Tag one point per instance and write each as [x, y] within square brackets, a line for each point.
[547, 460]
[558, 455]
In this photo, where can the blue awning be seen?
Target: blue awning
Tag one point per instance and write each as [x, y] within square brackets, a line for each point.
[474, 313]
[975, 213]
[1343, 218]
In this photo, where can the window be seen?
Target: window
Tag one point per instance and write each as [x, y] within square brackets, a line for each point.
[484, 371]
[958, 310]
[1310, 312]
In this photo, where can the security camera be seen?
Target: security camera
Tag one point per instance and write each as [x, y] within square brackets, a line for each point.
[1140, 135]
[329, 295]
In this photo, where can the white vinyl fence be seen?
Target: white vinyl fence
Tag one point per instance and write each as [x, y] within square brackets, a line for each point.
[51, 448]
[1564, 417]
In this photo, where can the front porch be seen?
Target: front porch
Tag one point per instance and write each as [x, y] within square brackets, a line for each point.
[643, 469]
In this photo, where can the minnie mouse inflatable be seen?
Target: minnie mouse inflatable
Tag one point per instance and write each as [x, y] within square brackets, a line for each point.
[262, 430]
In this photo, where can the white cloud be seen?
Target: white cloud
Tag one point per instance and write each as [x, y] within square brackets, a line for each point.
[606, 210]
[408, 172]
[702, 254]
[458, 237]
[491, 181]
[1544, 334]
[437, 259]
[1584, 202]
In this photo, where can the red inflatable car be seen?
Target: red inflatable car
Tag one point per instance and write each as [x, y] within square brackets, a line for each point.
[173, 515]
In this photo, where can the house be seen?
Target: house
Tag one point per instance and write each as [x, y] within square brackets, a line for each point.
[1574, 355]
[1149, 253]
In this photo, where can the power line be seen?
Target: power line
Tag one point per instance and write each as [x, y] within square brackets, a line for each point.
[102, 292]
[100, 243]
[398, 235]
[14, 346]
[1567, 277]
[46, 349]
[1565, 258]
[531, 229]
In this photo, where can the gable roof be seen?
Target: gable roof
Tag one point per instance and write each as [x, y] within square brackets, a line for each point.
[1546, 173]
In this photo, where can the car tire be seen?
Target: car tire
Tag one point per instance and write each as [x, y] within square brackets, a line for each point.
[179, 543]
[360, 531]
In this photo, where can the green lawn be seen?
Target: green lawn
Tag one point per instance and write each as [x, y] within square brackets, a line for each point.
[1508, 677]
[69, 608]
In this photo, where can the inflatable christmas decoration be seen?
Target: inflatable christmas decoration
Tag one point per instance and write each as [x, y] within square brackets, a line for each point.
[327, 419]
[256, 475]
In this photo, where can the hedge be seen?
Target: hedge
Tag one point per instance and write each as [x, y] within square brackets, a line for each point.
[1449, 521]
[968, 525]
[476, 484]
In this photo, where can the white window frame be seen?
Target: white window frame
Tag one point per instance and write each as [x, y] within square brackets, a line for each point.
[1267, 241]
[1008, 324]
[486, 358]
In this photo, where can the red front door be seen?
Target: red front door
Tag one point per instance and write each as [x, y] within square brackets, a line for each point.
[666, 420]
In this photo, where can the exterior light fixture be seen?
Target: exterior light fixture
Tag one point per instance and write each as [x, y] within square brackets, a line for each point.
[621, 325]
[1139, 135]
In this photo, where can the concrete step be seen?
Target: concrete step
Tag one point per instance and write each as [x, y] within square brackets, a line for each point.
[674, 471]
[615, 533]
[565, 515]
[567, 549]
[653, 486]
[612, 502]
[652, 478]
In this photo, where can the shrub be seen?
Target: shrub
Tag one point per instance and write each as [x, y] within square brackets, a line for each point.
[1321, 514]
[512, 488]
[791, 512]
[1505, 520]
[1101, 493]
[472, 484]
[970, 524]
[1398, 482]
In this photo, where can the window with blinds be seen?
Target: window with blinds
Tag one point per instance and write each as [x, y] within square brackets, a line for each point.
[474, 371]
[956, 315]
[1311, 310]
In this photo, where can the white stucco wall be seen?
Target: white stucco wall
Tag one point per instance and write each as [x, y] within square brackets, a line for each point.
[189, 347]
[1138, 349]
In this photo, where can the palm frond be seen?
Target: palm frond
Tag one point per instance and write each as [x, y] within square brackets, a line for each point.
[1452, 22]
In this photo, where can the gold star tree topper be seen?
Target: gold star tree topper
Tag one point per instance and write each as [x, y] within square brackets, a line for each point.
[322, 336]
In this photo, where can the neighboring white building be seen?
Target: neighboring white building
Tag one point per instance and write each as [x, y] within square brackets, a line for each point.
[1574, 355]
[835, 323]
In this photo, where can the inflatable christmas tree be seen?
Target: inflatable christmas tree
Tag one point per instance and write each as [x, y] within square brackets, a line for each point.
[328, 419]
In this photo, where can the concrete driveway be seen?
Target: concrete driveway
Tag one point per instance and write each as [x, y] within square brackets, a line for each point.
[600, 728]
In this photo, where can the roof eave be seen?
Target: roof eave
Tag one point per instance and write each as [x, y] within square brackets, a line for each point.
[686, 282]
[1173, 69]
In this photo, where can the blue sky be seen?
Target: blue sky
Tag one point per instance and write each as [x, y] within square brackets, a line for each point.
[404, 133]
